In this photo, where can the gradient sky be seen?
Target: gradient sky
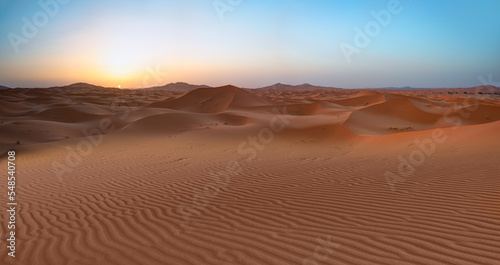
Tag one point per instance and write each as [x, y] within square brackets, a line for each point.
[431, 43]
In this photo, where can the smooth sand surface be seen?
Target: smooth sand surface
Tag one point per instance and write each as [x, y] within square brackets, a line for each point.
[232, 176]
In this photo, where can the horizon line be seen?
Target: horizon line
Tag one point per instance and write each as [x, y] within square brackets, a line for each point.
[303, 84]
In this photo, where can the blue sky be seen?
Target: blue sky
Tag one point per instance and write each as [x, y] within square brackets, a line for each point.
[252, 44]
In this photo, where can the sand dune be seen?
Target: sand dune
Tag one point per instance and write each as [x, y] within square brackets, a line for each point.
[212, 100]
[109, 176]
[363, 98]
[394, 113]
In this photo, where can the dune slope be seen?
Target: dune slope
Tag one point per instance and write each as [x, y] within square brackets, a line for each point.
[232, 176]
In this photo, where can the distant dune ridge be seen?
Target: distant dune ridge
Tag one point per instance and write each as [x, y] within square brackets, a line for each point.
[188, 174]
[363, 113]
[286, 87]
[179, 86]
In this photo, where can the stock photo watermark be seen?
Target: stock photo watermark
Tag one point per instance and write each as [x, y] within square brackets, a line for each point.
[489, 81]
[322, 251]
[94, 137]
[425, 148]
[74, 156]
[265, 136]
[224, 6]
[12, 203]
[153, 77]
[249, 148]
[32, 26]
[364, 36]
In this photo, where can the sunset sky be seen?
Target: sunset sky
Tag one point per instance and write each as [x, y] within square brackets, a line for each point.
[256, 43]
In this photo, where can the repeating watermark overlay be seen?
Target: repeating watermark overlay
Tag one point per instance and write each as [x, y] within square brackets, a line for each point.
[363, 36]
[153, 77]
[201, 199]
[489, 81]
[94, 137]
[224, 6]
[32, 26]
[321, 252]
[425, 148]
[248, 148]
[416, 158]
[257, 143]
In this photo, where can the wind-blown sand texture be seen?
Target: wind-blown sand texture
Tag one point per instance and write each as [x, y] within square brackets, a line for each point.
[174, 178]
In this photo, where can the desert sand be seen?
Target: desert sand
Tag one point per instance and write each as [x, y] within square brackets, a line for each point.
[228, 175]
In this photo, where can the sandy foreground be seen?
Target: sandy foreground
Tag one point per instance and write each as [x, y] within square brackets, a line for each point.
[231, 176]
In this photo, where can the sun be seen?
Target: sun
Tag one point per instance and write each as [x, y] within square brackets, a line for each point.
[119, 86]
[121, 66]
[120, 63]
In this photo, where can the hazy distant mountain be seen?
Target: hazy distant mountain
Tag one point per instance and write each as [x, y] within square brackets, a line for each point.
[183, 87]
[80, 85]
[482, 89]
[471, 90]
[302, 87]
[477, 89]
[398, 88]
[179, 86]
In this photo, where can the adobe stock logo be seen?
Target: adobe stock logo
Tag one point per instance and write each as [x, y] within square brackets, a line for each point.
[40, 19]
[363, 37]
[489, 81]
[223, 6]
[154, 77]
